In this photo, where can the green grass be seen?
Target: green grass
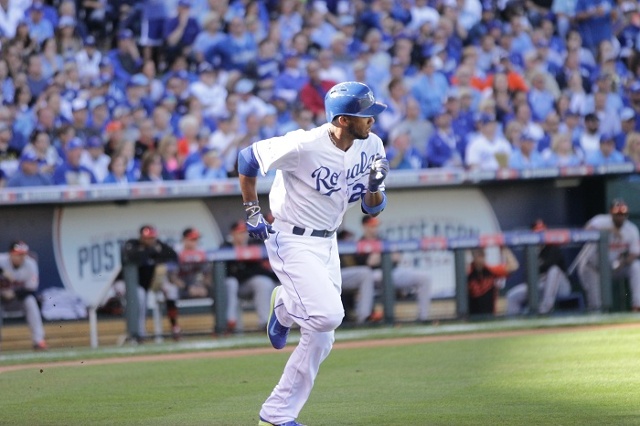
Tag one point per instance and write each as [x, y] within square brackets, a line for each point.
[573, 377]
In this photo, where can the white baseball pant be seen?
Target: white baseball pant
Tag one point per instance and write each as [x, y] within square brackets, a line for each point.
[309, 270]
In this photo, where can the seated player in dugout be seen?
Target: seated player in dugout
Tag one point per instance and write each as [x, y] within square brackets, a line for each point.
[484, 281]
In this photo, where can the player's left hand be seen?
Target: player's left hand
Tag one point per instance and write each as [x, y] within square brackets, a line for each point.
[258, 228]
[379, 171]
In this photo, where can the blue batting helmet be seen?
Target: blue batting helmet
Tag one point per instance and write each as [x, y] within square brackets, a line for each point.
[351, 98]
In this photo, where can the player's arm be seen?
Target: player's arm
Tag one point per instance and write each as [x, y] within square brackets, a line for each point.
[248, 169]
[374, 199]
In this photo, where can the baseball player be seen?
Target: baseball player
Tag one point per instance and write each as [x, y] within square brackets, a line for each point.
[624, 249]
[19, 278]
[320, 173]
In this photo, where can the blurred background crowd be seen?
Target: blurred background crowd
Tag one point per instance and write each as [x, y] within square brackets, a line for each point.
[97, 91]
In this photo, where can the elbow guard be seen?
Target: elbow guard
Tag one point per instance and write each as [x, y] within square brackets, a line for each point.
[247, 163]
[375, 209]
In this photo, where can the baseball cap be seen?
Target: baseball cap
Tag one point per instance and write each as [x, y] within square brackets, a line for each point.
[370, 221]
[94, 142]
[90, 40]
[125, 34]
[190, 234]
[97, 101]
[627, 114]
[244, 86]
[28, 156]
[148, 231]
[238, 226]
[19, 247]
[138, 80]
[66, 21]
[78, 104]
[538, 225]
[619, 206]
[36, 6]
[527, 136]
[205, 67]
[606, 137]
[75, 143]
[485, 118]
[184, 3]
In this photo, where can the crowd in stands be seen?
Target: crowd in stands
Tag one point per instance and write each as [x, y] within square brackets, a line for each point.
[155, 90]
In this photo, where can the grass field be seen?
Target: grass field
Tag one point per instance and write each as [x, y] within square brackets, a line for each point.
[509, 376]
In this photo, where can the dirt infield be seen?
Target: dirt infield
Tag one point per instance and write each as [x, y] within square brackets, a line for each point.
[226, 353]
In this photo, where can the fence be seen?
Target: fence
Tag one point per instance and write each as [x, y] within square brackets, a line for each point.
[529, 240]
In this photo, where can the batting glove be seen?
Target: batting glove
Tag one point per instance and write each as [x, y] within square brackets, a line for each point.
[379, 171]
[257, 227]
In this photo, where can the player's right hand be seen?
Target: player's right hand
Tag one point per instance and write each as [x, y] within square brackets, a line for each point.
[258, 228]
[379, 171]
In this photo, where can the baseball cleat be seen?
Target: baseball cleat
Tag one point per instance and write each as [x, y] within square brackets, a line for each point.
[263, 422]
[277, 332]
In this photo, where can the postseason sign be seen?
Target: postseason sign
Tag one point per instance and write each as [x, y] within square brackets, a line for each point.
[88, 238]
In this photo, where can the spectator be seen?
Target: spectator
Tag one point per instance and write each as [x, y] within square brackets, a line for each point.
[125, 58]
[607, 154]
[290, 81]
[236, 50]
[552, 281]
[627, 126]
[117, 171]
[226, 139]
[562, 152]
[209, 90]
[632, 148]
[488, 150]
[151, 169]
[589, 141]
[12, 14]
[444, 146]
[19, 279]
[8, 154]
[401, 154]
[152, 257]
[208, 167]
[207, 39]
[247, 279]
[420, 129]
[526, 156]
[153, 16]
[314, 90]
[40, 146]
[88, 59]
[396, 101]
[194, 270]
[358, 281]
[80, 113]
[180, 32]
[29, 173]
[71, 172]
[485, 280]
[69, 41]
[624, 249]
[168, 150]
[403, 277]
[94, 158]
[593, 18]
[430, 88]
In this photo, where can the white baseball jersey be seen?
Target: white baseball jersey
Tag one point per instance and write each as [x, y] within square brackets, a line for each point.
[627, 238]
[316, 182]
[481, 152]
[26, 273]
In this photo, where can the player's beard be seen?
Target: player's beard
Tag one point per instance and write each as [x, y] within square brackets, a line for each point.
[355, 133]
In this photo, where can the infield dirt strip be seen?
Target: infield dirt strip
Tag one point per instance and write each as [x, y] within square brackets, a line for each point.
[228, 353]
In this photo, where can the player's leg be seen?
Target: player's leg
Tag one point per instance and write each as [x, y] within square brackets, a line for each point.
[517, 298]
[589, 277]
[261, 287]
[553, 284]
[360, 278]
[420, 281]
[295, 385]
[634, 284]
[142, 313]
[171, 295]
[34, 320]
[308, 269]
[232, 285]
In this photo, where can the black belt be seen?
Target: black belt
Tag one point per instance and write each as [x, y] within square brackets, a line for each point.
[322, 233]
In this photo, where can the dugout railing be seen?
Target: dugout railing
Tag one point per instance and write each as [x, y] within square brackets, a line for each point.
[529, 241]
